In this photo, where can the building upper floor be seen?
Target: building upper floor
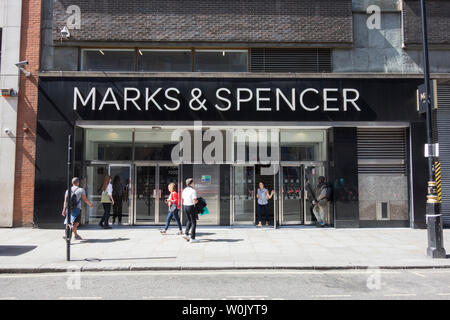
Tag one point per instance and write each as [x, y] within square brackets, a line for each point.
[280, 36]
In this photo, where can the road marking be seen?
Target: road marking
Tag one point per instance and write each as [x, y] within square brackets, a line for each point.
[443, 294]
[80, 298]
[400, 295]
[331, 296]
[163, 297]
[247, 297]
[8, 298]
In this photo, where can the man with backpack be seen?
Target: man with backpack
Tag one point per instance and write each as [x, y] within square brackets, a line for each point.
[324, 195]
[77, 194]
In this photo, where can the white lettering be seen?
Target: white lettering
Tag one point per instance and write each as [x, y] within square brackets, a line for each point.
[172, 99]
[352, 101]
[327, 99]
[77, 96]
[149, 98]
[303, 104]
[105, 99]
[291, 103]
[133, 100]
[239, 99]
[218, 96]
[259, 99]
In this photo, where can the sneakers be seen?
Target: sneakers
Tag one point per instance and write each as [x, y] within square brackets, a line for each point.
[259, 225]
[163, 231]
[187, 238]
[179, 233]
[78, 237]
[267, 223]
[193, 241]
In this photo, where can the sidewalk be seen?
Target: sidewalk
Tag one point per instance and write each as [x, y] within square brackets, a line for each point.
[144, 248]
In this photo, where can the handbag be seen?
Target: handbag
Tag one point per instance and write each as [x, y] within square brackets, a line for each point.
[105, 197]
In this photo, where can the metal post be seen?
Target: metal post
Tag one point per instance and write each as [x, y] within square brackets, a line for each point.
[433, 217]
[69, 194]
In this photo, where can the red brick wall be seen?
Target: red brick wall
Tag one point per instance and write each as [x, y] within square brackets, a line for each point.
[26, 117]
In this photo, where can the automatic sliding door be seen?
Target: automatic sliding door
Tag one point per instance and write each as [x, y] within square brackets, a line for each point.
[244, 194]
[291, 194]
[121, 183]
[146, 194]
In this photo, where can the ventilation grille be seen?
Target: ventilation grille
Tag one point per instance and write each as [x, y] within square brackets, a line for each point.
[382, 151]
[291, 60]
[443, 121]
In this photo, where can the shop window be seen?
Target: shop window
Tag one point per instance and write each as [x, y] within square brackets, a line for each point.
[108, 60]
[221, 60]
[165, 60]
[108, 145]
[303, 145]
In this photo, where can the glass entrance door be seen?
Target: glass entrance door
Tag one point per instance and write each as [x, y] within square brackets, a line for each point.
[292, 195]
[298, 190]
[121, 175]
[152, 183]
[243, 186]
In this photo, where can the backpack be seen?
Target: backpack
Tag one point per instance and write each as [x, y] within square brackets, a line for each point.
[329, 194]
[73, 199]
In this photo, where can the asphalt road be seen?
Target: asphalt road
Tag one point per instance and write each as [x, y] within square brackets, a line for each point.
[232, 285]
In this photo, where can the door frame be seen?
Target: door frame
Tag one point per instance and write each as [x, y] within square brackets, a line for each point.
[232, 195]
[156, 165]
[303, 165]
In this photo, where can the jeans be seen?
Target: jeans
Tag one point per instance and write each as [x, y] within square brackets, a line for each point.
[319, 213]
[192, 220]
[173, 214]
[105, 218]
[263, 207]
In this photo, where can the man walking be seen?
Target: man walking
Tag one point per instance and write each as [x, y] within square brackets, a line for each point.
[189, 196]
[77, 194]
[321, 202]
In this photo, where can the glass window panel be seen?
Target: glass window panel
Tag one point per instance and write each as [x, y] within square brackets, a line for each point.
[165, 60]
[108, 60]
[221, 61]
[106, 144]
[154, 145]
[303, 145]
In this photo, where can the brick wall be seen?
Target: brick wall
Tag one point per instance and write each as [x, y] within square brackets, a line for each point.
[26, 118]
[438, 22]
[297, 21]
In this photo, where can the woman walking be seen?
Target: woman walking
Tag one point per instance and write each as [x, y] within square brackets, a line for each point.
[174, 207]
[263, 203]
[107, 200]
[118, 192]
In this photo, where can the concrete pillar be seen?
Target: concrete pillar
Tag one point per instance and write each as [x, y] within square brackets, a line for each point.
[10, 22]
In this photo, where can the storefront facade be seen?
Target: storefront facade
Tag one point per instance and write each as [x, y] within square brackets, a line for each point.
[229, 133]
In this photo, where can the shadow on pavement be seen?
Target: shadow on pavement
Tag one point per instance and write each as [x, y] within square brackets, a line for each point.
[101, 240]
[11, 251]
[122, 259]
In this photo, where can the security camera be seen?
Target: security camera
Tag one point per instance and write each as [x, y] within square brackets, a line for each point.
[7, 131]
[65, 33]
[21, 64]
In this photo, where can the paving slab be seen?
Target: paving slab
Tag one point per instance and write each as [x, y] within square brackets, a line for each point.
[144, 248]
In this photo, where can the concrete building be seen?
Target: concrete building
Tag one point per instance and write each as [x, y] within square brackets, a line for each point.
[10, 27]
[334, 81]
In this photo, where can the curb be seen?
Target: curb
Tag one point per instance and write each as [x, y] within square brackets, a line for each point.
[26, 270]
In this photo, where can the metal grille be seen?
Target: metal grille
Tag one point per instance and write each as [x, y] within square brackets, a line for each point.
[382, 151]
[443, 121]
[290, 60]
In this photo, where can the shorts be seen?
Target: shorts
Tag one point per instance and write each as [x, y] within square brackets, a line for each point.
[75, 216]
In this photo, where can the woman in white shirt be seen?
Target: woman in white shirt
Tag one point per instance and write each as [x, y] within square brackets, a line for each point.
[106, 200]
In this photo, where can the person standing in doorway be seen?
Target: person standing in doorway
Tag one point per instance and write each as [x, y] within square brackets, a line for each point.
[174, 207]
[107, 200]
[118, 193]
[189, 196]
[263, 203]
[78, 194]
[321, 202]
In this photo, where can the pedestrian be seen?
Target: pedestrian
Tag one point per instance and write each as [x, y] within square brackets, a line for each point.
[118, 193]
[107, 200]
[263, 203]
[321, 201]
[77, 194]
[174, 207]
[189, 196]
